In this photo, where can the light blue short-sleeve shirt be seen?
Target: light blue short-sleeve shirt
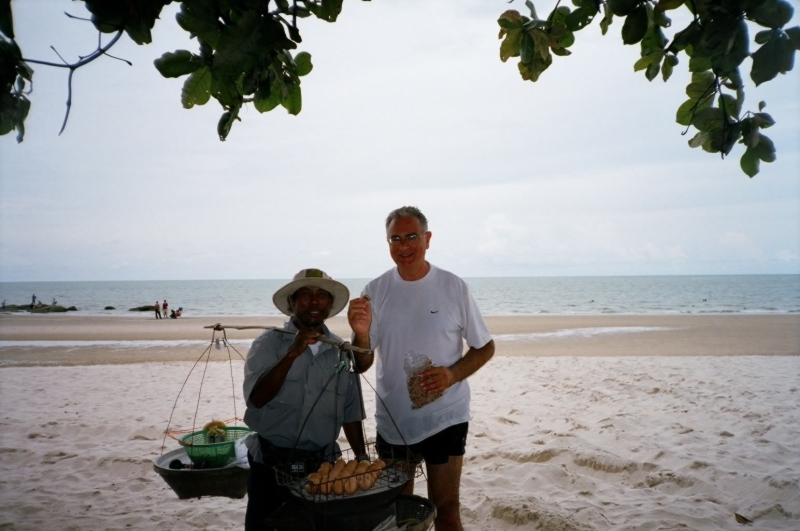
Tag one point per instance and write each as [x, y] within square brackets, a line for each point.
[294, 408]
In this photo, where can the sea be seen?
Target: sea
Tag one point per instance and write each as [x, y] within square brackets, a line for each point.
[502, 296]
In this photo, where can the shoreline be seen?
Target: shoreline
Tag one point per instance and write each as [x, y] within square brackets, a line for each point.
[151, 340]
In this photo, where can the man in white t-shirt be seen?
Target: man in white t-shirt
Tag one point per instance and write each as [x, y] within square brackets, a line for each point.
[417, 308]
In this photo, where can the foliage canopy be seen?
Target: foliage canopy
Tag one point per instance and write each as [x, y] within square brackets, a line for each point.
[245, 55]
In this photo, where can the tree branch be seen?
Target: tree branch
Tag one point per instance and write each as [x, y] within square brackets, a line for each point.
[99, 52]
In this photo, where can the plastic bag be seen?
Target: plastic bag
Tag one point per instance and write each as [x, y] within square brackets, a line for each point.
[415, 364]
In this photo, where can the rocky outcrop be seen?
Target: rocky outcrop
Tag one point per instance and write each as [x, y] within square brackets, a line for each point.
[150, 308]
[17, 308]
[109, 308]
[48, 308]
[72, 309]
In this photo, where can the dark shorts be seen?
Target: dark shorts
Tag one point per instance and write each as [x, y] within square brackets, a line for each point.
[436, 449]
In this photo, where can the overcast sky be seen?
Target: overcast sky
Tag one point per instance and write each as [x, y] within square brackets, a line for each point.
[582, 173]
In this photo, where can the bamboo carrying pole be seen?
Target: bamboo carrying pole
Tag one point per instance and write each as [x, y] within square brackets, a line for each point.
[344, 345]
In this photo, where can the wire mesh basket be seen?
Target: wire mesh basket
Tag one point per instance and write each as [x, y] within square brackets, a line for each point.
[207, 452]
[367, 490]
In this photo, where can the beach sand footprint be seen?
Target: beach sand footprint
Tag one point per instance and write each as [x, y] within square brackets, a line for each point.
[51, 458]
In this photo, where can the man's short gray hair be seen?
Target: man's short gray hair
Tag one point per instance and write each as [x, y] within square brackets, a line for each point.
[407, 211]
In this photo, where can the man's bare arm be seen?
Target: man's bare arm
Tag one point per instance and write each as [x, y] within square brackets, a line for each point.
[354, 432]
[359, 315]
[438, 379]
[270, 383]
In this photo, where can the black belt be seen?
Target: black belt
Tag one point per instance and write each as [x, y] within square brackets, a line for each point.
[300, 461]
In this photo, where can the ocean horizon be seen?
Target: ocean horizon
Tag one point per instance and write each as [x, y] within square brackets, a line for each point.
[495, 296]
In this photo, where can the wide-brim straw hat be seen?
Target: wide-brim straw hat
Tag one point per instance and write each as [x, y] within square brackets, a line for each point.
[314, 278]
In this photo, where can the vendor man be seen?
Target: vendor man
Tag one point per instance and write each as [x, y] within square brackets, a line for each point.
[284, 376]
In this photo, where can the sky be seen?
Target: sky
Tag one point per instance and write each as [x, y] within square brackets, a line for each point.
[583, 173]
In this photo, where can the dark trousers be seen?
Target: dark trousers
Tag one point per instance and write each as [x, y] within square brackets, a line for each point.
[270, 506]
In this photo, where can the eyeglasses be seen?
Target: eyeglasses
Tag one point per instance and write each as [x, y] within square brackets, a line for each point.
[410, 239]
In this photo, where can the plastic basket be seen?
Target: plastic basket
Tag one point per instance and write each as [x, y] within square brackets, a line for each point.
[188, 482]
[414, 513]
[206, 454]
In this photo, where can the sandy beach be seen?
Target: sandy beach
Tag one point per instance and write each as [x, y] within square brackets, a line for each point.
[579, 423]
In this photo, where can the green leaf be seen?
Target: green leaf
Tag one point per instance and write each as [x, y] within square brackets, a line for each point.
[750, 162]
[581, 17]
[510, 20]
[635, 25]
[226, 122]
[660, 19]
[773, 57]
[269, 99]
[735, 52]
[6, 21]
[541, 42]
[699, 139]
[526, 48]
[771, 13]
[670, 62]
[687, 108]
[303, 62]
[761, 105]
[623, 8]
[763, 120]
[510, 46]
[653, 40]
[200, 19]
[533, 70]
[686, 37]
[293, 102]
[765, 149]
[697, 90]
[652, 71]
[750, 133]
[177, 64]
[608, 18]
[708, 119]
[794, 36]
[239, 45]
[728, 104]
[762, 36]
[648, 60]
[196, 88]
[327, 10]
[699, 64]
[667, 5]
[704, 77]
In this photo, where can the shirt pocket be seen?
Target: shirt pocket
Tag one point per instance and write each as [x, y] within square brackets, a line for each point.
[291, 393]
[333, 396]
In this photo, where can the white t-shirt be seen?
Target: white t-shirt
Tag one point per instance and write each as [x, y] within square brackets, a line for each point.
[431, 316]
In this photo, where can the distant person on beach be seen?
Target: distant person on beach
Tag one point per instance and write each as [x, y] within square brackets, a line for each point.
[158, 310]
[54, 301]
[172, 314]
[179, 312]
[33, 301]
[164, 308]
[417, 308]
[284, 375]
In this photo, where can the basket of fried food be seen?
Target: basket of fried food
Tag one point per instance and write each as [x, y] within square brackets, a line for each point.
[347, 485]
